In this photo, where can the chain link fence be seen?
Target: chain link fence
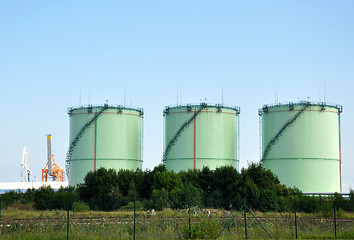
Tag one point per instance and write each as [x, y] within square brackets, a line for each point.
[191, 222]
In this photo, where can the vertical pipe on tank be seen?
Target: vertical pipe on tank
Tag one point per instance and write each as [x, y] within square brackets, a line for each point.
[95, 145]
[238, 140]
[164, 132]
[340, 152]
[142, 139]
[194, 143]
[260, 129]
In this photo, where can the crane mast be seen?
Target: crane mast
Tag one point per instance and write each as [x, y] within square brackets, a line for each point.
[51, 169]
[25, 165]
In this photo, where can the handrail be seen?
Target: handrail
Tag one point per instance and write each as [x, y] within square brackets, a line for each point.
[173, 140]
[214, 105]
[300, 103]
[120, 107]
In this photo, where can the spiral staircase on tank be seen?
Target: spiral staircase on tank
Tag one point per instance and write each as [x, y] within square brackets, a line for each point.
[180, 130]
[78, 136]
[282, 129]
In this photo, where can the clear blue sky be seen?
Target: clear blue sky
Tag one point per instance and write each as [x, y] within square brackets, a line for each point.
[49, 50]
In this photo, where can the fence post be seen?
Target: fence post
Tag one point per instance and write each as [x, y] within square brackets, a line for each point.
[257, 220]
[134, 215]
[244, 215]
[189, 212]
[335, 219]
[295, 218]
[67, 221]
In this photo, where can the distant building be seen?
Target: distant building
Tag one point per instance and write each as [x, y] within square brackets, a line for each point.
[23, 186]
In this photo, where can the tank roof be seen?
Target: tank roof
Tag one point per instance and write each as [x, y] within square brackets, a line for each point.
[216, 105]
[119, 107]
[301, 103]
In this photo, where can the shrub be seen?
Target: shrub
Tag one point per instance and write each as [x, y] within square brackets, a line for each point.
[10, 197]
[205, 229]
[20, 206]
[130, 206]
[339, 212]
[327, 209]
[43, 198]
[160, 199]
[101, 190]
[308, 204]
[80, 207]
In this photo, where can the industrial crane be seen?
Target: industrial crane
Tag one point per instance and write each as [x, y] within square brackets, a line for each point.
[51, 169]
[25, 165]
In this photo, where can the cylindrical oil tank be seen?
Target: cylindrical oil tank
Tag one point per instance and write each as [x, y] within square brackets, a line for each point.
[103, 136]
[201, 135]
[301, 144]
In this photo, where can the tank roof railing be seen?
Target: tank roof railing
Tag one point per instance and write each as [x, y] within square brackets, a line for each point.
[207, 104]
[70, 109]
[325, 104]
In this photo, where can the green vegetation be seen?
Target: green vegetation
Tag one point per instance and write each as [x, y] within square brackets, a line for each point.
[80, 207]
[109, 190]
[102, 207]
[44, 198]
[158, 189]
[225, 188]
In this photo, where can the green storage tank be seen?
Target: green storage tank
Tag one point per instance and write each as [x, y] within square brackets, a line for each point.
[198, 135]
[301, 144]
[103, 136]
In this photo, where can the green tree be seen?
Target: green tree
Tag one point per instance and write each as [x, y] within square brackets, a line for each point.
[100, 190]
[44, 198]
[65, 196]
[191, 177]
[187, 195]
[10, 198]
[224, 180]
[160, 199]
[124, 177]
[167, 180]
[350, 206]
[146, 185]
[263, 178]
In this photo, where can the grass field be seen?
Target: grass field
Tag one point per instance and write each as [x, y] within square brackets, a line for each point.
[21, 222]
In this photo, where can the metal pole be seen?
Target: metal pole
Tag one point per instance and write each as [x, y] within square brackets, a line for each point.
[67, 222]
[244, 215]
[189, 211]
[295, 219]
[134, 216]
[227, 225]
[258, 221]
[0, 207]
[335, 219]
